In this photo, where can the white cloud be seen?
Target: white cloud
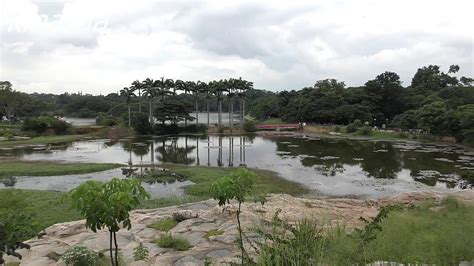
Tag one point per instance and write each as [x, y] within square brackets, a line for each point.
[101, 46]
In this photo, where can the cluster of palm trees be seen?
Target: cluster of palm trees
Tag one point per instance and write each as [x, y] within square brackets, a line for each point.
[161, 88]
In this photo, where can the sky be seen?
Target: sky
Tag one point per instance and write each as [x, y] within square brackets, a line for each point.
[99, 47]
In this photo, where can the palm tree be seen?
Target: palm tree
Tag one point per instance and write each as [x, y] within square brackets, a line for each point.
[149, 91]
[203, 87]
[243, 86]
[138, 86]
[187, 86]
[128, 94]
[192, 87]
[218, 88]
[164, 87]
[231, 85]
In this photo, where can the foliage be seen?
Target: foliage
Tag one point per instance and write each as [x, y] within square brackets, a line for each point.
[15, 227]
[79, 256]
[107, 205]
[176, 243]
[173, 111]
[414, 235]
[104, 119]
[164, 225]
[237, 185]
[365, 131]
[351, 128]
[140, 253]
[141, 123]
[250, 126]
[43, 123]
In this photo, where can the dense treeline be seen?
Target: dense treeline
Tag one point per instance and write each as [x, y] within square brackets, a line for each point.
[436, 102]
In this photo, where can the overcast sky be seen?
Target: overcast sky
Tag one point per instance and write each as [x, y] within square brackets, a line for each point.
[101, 46]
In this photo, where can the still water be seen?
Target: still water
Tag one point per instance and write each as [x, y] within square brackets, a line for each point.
[334, 167]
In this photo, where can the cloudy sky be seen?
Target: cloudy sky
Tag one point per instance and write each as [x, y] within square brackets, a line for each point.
[101, 46]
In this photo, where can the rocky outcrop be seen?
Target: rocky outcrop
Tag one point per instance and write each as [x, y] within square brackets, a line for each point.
[197, 219]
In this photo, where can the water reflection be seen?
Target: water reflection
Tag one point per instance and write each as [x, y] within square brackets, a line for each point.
[328, 164]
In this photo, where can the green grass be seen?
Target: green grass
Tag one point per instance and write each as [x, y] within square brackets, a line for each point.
[164, 225]
[38, 168]
[443, 235]
[267, 181]
[213, 232]
[176, 243]
[42, 140]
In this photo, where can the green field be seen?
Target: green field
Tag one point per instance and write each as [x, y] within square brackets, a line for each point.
[38, 168]
[42, 140]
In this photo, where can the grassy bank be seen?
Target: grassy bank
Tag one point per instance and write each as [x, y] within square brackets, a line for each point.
[428, 233]
[38, 168]
[42, 140]
[48, 207]
[203, 176]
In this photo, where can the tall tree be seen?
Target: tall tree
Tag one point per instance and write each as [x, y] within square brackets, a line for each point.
[202, 87]
[150, 91]
[138, 86]
[128, 94]
[218, 89]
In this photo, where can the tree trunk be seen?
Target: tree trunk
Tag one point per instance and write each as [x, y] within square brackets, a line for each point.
[152, 119]
[230, 110]
[240, 113]
[220, 113]
[110, 245]
[129, 123]
[207, 107]
[197, 110]
[116, 249]
[185, 119]
[139, 101]
[241, 242]
[243, 112]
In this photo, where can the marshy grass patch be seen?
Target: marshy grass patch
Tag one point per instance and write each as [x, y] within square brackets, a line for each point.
[164, 225]
[174, 242]
[38, 168]
[213, 232]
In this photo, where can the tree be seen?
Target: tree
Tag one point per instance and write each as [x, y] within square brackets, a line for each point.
[231, 86]
[202, 87]
[432, 117]
[108, 205]
[236, 186]
[150, 92]
[174, 111]
[386, 93]
[243, 86]
[218, 88]
[128, 94]
[138, 86]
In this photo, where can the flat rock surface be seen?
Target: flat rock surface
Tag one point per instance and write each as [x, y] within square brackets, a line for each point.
[204, 216]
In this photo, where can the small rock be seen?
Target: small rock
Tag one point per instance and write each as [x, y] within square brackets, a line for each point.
[180, 216]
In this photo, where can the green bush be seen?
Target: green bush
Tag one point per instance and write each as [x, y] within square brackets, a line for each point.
[176, 243]
[140, 122]
[351, 128]
[43, 123]
[337, 129]
[104, 119]
[365, 131]
[250, 126]
[79, 256]
[357, 123]
[140, 253]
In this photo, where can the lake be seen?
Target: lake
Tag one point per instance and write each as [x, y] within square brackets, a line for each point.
[331, 166]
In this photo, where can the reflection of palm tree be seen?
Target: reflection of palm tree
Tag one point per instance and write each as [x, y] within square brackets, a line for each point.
[208, 152]
[174, 154]
[197, 151]
[219, 157]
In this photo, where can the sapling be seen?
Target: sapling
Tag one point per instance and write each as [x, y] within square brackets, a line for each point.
[236, 186]
[108, 205]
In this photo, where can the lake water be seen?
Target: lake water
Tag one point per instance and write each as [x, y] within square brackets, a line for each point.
[334, 167]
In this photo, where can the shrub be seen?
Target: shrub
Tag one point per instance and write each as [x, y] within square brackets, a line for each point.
[351, 128]
[140, 253]
[140, 122]
[221, 130]
[365, 130]
[176, 243]
[337, 129]
[42, 123]
[164, 225]
[79, 256]
[357, 123]
[250, 126]
[104, 119]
